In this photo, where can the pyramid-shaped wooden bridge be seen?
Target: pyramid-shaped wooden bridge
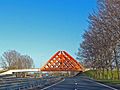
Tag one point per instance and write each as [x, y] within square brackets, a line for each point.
[62, 61]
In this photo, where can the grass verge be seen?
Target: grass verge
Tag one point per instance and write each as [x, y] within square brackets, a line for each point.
[90, 74]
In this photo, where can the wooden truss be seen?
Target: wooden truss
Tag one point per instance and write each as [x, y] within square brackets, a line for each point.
[62, 61]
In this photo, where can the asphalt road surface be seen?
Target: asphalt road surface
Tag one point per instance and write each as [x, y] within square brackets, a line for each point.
[78, 83]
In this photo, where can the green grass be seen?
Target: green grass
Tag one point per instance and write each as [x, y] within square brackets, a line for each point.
[1, 71]
[108, 80]
[90, 73]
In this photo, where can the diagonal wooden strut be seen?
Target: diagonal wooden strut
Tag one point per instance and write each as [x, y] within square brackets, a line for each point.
[62, 61]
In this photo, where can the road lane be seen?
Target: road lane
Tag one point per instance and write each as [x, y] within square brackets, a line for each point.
[79, 83]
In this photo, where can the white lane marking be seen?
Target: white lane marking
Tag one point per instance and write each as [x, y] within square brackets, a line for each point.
[75, 83]
[53, 84]
[75, 89]
[103, 85]
[107, 86]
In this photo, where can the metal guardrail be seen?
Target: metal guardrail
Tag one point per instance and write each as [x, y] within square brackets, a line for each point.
[29, 84]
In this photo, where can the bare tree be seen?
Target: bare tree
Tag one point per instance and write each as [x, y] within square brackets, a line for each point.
[101, 40]
[14, 60]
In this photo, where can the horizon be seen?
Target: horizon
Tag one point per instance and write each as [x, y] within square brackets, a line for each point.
[40, 28]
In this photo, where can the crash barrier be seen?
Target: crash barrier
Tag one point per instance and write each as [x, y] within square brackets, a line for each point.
[26, 83]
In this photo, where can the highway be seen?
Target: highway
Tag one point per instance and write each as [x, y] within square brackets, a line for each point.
[78, 83]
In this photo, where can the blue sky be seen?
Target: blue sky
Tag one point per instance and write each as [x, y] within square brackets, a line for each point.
[40, 28]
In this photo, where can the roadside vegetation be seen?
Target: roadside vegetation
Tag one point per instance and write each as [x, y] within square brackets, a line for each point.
[1, 71]
[14, 60]
[100, 49]
[91, 74]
